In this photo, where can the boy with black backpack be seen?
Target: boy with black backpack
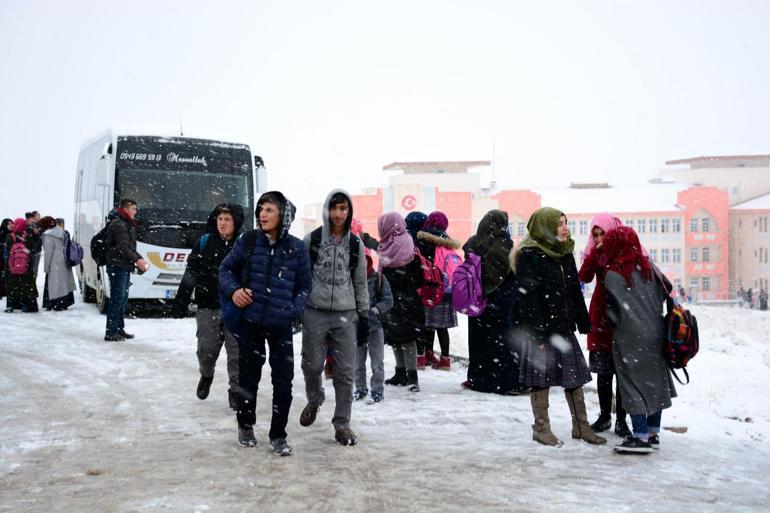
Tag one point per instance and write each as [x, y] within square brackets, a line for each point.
[337, 316]
[202, 275]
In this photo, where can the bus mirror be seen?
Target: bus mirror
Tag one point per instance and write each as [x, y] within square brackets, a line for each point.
[103, 171]
[258, 162]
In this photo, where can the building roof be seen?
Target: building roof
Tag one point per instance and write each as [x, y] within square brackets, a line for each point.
[717, 158]
[758, 203]
[648, 197]
[456, 166]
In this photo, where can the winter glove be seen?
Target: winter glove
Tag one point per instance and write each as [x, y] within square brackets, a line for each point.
[363, 329]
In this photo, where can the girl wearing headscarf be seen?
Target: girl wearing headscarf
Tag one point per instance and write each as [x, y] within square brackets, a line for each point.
[404, 324]
[441, 317]
[600, 336]
[551, 307]
[493, 358]
[59, 281]
[5, 229]
[639, 332]
[21, 289]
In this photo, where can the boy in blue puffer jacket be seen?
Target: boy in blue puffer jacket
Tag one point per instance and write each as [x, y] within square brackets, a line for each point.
[380, 302]
[270, 283]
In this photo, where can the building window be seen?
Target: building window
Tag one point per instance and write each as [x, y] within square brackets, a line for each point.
[665, 226]
[693, 255]
[571, 225]
[641, 225]
[676, 225]
[694, 224]
[664, 256]
[653, 226]
[520, 229]
[654, 255]
[705, 224]
[676, 255]
[583, 227]
[629, 223]
[693, 283]
[706, 255]
[677, 284]
[706, 282]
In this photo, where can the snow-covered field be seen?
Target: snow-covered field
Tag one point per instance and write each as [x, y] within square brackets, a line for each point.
[90, 426]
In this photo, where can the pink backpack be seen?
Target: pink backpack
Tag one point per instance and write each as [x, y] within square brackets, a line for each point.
[432, 288]
[447, 260]
[18, 257]
[467, 287]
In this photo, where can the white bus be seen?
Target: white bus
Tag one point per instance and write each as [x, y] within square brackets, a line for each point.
[176, 182]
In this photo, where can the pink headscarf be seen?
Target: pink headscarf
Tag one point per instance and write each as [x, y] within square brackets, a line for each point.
[437, 220]
[19, 225]
[606, 222]
[396, 247]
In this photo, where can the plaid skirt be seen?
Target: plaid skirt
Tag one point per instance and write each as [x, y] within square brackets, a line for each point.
[442, 315]
[601, 362]
[553, 363]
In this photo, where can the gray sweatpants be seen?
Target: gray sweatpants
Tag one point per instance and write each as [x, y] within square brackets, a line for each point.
[322, 329]
[211, 334]
[375, 347]
[406, 355]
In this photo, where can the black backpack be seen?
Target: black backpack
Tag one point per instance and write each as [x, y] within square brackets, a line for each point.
[315, 246]
[99, 247]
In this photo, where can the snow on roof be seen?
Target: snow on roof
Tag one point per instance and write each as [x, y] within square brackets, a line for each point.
[648, 197]
[759, 203]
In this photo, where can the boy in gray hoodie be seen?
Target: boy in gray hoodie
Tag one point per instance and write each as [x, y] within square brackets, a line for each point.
[337, 310]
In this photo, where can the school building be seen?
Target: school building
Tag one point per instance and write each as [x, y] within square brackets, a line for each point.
[703, 220]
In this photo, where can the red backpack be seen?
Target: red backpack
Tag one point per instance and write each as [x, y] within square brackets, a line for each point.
[432, 288]
[682, 342]
[18, 257]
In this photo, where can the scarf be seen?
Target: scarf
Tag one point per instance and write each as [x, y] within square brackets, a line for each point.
[624, 254]
[542, 228]
[396, 247]
[493, 244]
[605, 222]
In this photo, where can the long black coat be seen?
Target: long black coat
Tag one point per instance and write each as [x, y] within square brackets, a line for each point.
[549, 297]
[405, 322]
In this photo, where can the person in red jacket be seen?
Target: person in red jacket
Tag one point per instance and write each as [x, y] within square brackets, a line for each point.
[600, 337]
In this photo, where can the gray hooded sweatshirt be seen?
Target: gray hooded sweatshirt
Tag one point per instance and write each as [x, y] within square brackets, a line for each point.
[333, 288]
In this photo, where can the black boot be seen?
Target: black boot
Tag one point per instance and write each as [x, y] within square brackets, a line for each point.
[604, 389]
[399, 378]
[246, 436]
[621, 428]
[204, 385]
[412, 383]
[127, 336]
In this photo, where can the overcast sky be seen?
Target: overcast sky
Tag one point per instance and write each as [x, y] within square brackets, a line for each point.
[329, 92]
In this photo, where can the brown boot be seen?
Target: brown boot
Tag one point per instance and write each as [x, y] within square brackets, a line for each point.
[581, 429]
[541, 429]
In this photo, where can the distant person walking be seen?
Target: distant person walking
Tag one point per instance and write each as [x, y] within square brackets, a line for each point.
[19, 281]
[122, 260]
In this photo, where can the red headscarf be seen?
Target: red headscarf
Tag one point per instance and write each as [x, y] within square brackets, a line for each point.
[624, 253]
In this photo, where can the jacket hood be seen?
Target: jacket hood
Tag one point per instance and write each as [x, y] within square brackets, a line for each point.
[327, 226]
[437, 240]
[288, 210]
[232, 208]
[56, 231]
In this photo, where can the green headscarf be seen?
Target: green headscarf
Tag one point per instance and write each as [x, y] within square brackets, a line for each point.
[542, 227]
[493, 245]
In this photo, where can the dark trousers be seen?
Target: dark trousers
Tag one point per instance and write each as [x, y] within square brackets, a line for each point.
[251, 357]
[116, 307]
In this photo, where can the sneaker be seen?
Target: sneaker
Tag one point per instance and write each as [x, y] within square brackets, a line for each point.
[359, 394]
[280, 447]
[307, 417]
[602, 424]
[246, 436]
[633, 445]
[654, 441]
[621, 428]
[204, 385]
[375, 398]
[445, 363]
[345, 436]
[113, 338]
[127, 336]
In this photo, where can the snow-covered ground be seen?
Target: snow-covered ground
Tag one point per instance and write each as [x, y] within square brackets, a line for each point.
[90, 426]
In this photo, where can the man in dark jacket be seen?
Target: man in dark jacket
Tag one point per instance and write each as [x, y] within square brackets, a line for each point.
[202, 275]
[122, 259]
[267, 277]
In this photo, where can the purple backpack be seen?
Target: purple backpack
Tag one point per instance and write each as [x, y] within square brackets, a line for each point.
[73, 252]
[467, 289]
